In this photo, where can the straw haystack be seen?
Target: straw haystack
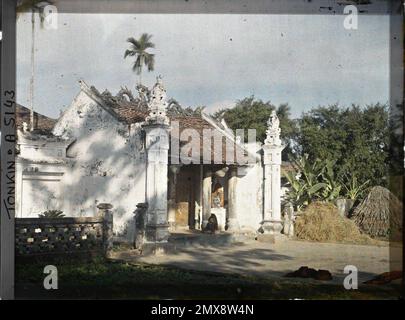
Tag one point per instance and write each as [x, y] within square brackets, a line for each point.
[380, 214]
[321, 222]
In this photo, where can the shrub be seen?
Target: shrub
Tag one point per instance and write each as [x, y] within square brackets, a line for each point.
[313, 180]
[51, 214]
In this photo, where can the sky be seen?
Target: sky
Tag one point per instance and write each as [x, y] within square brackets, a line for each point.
[210, 59]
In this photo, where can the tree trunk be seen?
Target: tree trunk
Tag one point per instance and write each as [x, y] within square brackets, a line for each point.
[32, 71]
[140, 72]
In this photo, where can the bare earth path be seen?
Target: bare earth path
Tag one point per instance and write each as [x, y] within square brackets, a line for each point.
[274, 260]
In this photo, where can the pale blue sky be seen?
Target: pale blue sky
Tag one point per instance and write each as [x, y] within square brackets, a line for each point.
[212, 59]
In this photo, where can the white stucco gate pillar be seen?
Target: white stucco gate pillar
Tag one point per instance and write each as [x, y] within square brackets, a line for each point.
[157, 129]
[232, 221]
[272, 148]
[206, 196]
[173, 171]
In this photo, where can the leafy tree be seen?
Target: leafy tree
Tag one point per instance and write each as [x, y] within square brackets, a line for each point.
[396, 151]
[396, 139]
[251, 113]
[351, 140]
[355, 139]
[138, 50]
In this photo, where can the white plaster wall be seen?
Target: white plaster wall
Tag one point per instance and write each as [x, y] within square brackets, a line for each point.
[36, 151]
[109, 163]
[106, 163]
[249, 195]
[38, 188]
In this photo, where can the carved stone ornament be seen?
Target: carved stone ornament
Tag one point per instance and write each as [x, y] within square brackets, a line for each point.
[158, 104]
[273, 130]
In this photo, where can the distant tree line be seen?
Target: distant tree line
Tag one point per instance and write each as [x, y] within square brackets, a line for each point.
[362, 145]
[361, 142]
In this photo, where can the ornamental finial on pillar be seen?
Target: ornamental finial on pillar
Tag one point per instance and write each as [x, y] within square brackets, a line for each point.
[272, 148]
[273, 130]
[157, 105]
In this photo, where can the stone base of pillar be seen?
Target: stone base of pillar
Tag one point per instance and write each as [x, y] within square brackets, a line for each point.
[232, 225]
[157, 233]
[158, 248]
[204, 224]
[172, 226]
[171, 214]
[271, 238]
[272, 226]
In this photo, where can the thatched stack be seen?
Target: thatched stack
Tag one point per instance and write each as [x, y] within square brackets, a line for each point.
[380, 214]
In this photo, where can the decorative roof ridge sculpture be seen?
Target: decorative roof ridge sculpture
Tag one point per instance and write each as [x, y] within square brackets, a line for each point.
[273, 130]
[174, 109]
[157, 104]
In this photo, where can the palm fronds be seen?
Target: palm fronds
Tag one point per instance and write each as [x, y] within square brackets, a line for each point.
[51, 214]
[138, 49]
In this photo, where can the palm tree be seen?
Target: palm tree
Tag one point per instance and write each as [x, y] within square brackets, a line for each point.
[138, 50]
[33, 6]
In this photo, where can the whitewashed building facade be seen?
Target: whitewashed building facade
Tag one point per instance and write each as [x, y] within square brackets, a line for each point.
[119, 150]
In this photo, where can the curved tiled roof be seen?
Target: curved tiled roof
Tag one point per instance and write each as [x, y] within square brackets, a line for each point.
[43, 124]
[129, 111]
[136, 110]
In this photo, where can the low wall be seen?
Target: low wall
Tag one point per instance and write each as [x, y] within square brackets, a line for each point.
[86, 236]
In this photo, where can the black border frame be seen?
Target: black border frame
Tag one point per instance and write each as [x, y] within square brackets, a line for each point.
[8, 139]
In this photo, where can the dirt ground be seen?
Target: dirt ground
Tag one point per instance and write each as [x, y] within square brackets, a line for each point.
[275, 260]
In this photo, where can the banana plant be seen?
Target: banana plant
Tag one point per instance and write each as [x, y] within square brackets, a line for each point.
[333, 186]
[301, 192]
[310, 172]
[354, 190]
[296, 193]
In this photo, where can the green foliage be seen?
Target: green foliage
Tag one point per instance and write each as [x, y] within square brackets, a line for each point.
[355, 139]
[332, 184]
[306, 182]
[118, 279]
[396, 151]
[138, 50]
[317, 180]
[339, 151]
[353, 189]
[51, 214]
[300, 194]
[251, 113]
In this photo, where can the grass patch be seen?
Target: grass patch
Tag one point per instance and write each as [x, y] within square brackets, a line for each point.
[102, 279]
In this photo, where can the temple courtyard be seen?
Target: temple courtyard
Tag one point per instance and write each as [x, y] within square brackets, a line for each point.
[217, 267]
[270, 260]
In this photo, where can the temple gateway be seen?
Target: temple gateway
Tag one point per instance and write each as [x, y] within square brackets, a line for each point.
[119, 150]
